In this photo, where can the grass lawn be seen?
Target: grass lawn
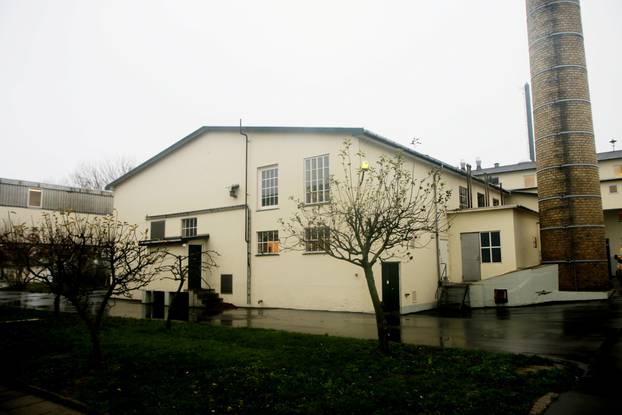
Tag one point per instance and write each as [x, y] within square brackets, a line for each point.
[201, 369]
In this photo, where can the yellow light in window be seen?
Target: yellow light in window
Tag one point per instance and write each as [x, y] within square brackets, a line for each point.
[365, 165]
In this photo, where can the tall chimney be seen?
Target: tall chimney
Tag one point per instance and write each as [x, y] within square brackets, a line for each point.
[571, 216]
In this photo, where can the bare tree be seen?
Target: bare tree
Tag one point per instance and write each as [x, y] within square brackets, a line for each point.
[87, 259]
[177, 267]
[13, 267]
[374, 214]
[96, 175]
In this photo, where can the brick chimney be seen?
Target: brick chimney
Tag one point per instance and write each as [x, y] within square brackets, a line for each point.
[571, 216]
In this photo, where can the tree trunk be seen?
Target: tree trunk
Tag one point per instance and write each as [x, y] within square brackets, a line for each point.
[98, 357]
[57, 305]
[173, 303]
[381, 321]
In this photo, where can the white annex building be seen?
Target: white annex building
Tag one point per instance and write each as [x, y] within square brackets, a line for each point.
[192, 197]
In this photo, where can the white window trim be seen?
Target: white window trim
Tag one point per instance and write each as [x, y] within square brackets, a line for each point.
[278, 240]
[490, 247]
[195, 227]
[40, 205]
[304, 181]
[260, 188]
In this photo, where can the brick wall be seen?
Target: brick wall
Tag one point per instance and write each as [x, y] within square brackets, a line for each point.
[571, 217]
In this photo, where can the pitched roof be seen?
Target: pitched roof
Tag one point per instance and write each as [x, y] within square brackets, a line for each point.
[353, 132]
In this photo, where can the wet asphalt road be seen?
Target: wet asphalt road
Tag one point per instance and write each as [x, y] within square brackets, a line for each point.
[572, 331]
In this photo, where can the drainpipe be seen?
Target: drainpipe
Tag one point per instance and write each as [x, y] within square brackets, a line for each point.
[247, 218]
[436, 231]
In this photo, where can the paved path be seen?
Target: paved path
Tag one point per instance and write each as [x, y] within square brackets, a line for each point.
[13, 402]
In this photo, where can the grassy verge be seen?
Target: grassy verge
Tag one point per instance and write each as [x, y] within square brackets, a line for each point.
[197, 369]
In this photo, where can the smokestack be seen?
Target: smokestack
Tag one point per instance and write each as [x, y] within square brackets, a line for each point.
[478, 163]
[571, 216]
[462, 165]
[532, 152]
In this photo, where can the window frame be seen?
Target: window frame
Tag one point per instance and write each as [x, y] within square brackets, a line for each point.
[613, 188]
[230, 290]
[496, 202]
[325, 192]
[316, 240]
[461, 190]
[32, 190]
[163, 222]
[490, 248]
[260, 187]
[264, 245]
[483, 200]
[189, 231]
[530, 178]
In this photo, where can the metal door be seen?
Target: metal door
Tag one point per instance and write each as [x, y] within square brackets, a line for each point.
[194, 266]
[391, 298]
[471, 262]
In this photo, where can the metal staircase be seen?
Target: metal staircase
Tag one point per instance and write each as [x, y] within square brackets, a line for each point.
[453, 296]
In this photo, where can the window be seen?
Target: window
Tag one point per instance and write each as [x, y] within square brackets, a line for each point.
[618, 170]
[481, 200]
[530, 180]
[464, 199]
[188, 227]
[316, 179]
[226, 284]
[490, 243]
[316, 239]
[494, 180]
[34, 198]
[613, 188]
[495, 202]
[269, 186]
[267, 242]
[157, 229]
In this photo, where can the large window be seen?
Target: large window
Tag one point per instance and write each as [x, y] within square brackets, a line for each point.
[481, 200]
[316, 179]
[464, 198]
[188, 227]
[316, 239]
[491, 246]
[269, 186]
[267, 242]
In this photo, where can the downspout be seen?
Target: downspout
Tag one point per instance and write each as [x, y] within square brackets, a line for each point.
[247, 218]
[436, 231]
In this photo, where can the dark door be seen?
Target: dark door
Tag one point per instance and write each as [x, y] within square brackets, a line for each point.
[471, 262]
[194, 266]
[157, 307]
[391, 286]
[391, 298]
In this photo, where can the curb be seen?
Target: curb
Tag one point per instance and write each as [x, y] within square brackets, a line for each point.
[52, 397]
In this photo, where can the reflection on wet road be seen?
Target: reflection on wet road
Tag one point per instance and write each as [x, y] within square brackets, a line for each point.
[570, 331]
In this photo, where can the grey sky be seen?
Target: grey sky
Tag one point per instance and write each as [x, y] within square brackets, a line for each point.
[82, 80]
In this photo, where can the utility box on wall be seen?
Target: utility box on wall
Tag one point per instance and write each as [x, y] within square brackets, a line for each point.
[501, 296]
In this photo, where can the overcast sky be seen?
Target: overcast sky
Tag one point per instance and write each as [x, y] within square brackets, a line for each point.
[85, 80]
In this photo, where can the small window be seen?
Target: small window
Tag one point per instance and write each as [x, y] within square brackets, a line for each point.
[34, 198]
[493, 180]
[317, 239]
[530, 180]
[613, 188]
[226, 284]
[481, 200]
[618, 170]
[495, 202]
[157, 229]
[188, 227]
[316, 179]
[490, 243]
[267, 242]
[464, 199]
[269, 186]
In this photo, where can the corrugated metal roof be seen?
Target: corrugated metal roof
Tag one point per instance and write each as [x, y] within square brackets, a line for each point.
[55, 197]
